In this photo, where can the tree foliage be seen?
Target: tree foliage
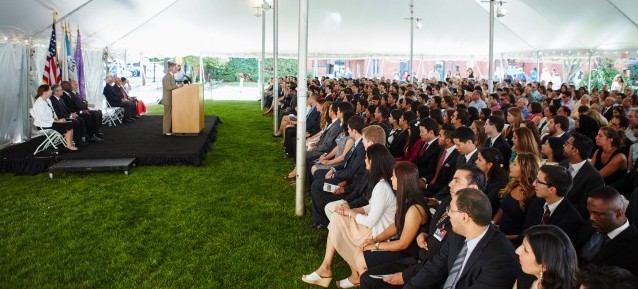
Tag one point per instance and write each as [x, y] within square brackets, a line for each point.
[603, 74]
[229, 69]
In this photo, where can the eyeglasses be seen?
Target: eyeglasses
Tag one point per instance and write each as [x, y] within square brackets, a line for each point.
[541, 182]
[448, 210]
[568, 144]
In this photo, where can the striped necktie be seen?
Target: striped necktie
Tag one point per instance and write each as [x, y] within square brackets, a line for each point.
[453, 277]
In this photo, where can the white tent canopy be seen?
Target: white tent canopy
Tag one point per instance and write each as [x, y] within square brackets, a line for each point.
[351, 28]
[452, 29]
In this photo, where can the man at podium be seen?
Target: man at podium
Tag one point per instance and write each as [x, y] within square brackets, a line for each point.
[168, 85]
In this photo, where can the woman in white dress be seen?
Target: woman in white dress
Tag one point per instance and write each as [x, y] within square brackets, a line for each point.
[355, 225]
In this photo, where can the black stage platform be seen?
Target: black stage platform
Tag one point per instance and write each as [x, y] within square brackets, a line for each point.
[141, 139]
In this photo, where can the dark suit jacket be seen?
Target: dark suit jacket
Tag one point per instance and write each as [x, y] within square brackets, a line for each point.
[462, 161]
[492, 264]
[504, 147]
[445, 175]
[327, 140]
[113, 95]
[357, 190]
[587, 179]
[71, 103]
[622, 251]
[426, 160]
[608, 114]
[353, 162]
[398, 143]
[565, 217]
[313, 121]
[61, 111]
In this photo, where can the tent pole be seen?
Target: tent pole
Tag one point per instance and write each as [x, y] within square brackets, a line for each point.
[491, 51]
[302, 96]
[275, 91]
[263, 57]
[591, 53]
[411, 41]
[538, 66]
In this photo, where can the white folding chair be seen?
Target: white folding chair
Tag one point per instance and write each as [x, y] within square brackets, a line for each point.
[52, 138]
[111, 115]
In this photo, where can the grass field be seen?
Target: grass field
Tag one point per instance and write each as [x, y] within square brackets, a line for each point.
[229, 223]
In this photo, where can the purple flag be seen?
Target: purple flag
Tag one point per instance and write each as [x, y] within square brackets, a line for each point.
[79, 62]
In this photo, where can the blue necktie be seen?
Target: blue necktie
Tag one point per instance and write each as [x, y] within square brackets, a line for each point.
[450, 282]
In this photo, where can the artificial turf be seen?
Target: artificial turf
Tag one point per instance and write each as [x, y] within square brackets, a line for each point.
[229, 223]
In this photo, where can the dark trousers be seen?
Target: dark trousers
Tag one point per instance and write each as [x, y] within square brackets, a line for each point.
[321, 198]
[290, 140]
[79, 129]
[89, 123]
[407, 270]
[130, 109]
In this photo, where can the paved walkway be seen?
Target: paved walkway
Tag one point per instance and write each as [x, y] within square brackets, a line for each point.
[152, 92]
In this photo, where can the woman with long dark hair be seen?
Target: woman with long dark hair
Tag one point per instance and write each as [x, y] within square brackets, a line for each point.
[515, 196]
[409, 219]
[353, 226]
[547, 258]
[609, 159]
[552, 149]
[414, 143]
[490, 161]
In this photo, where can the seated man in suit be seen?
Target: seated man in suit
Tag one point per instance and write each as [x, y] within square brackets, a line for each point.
[61, 111]
[346, 172]
[550, 208]
[607, 239]
[75, 104]
[476, 255]
[464, 138]
[327, 140]
[445, 162]
[115, 99]
[431, 238]
[558, 127]
[313, 117]
[493, 128]
[584, 175]
[425, 159]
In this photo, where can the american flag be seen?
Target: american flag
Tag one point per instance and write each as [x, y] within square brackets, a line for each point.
[51, 72]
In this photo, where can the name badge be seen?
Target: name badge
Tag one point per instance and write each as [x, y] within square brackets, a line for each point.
[440, 234]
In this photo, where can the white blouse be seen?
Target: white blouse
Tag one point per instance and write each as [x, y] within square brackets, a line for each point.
[380, 209]
[43, 115]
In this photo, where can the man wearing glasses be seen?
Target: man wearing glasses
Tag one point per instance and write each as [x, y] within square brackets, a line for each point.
[584, 175]
[476, 255]
[552, 185]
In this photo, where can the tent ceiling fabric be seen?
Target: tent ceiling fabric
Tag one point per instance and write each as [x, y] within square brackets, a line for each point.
[344, 28]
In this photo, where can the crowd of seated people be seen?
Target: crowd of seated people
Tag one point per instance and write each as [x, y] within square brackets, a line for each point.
[525, 187]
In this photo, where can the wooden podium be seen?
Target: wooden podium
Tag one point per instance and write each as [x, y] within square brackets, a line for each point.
[188, 109]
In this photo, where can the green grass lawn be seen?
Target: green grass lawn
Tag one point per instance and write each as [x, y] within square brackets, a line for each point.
[229, 223]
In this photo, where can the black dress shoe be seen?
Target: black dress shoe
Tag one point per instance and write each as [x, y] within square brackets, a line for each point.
[128, 120]
[100, 134]
[274, 135]
[312, 226]
[95, 139]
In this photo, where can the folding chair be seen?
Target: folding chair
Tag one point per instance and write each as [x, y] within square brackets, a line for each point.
[111, 115]
[52, 138]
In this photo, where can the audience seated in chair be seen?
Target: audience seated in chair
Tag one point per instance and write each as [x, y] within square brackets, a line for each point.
[45, 117]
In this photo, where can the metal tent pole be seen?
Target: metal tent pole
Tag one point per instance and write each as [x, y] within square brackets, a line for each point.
[490, 75]
[263, 57]
[275, 91]
[302, 95]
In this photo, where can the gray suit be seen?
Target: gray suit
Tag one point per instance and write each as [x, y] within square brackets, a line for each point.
[168, 85]
[326, 142]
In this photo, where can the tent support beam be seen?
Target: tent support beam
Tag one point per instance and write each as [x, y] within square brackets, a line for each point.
[275, 59]
[63, 17]
[144, 23]
[490, 65]
[622, 13]
[301, 107]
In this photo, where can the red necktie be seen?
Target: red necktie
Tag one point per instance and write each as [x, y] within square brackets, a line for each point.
[439, 166]
[546, 215]
[423, 149]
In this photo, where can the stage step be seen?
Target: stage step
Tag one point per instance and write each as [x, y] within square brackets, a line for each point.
[92, 165]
